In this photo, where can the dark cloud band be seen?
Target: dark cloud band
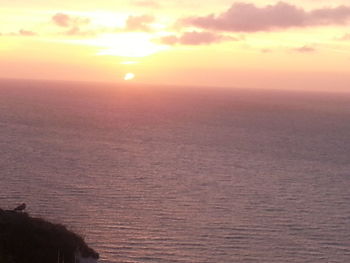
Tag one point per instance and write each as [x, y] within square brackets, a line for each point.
[245, 17]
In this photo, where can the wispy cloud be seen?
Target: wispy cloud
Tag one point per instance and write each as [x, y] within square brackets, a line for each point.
[139, 23]
[76, 31]
[64, 20]
[345, 37]
[195, 38]
[82, 26]
[21, 32]
[304, 49]
[246, 17]
[147, 3]
[266, 50]
[73, 24]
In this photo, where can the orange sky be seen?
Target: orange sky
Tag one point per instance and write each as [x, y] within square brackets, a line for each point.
[280, 44]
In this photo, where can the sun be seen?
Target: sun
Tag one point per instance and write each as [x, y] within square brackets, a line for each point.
[129, 76]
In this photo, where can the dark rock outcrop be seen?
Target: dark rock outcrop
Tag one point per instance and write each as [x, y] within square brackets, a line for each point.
[25, 239]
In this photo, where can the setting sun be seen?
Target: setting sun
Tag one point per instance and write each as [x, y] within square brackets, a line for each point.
[129, 76]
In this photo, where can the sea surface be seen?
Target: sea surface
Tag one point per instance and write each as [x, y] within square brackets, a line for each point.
[192, 175]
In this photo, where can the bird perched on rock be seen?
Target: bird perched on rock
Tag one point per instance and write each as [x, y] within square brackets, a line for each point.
[20, 208]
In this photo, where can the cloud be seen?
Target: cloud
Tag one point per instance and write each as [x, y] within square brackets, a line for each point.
[23, 32]
[195, 38]
[327, 16]
[266, 50]
[76, 31]
[147, 3]
[169, 40]
[64, 20]
[73, 24]
[345, 37]
[139, 23]
[246, 17]
[305, 49]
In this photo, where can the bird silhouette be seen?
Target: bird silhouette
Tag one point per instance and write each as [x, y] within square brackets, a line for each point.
[20, 208]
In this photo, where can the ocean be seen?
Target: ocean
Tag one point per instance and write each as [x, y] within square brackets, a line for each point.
[192, 175]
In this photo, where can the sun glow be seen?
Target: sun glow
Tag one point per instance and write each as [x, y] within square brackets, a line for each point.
[127, 45]
[129, 76]
[129, 62]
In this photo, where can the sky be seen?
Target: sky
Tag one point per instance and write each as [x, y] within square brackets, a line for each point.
[258, 43]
